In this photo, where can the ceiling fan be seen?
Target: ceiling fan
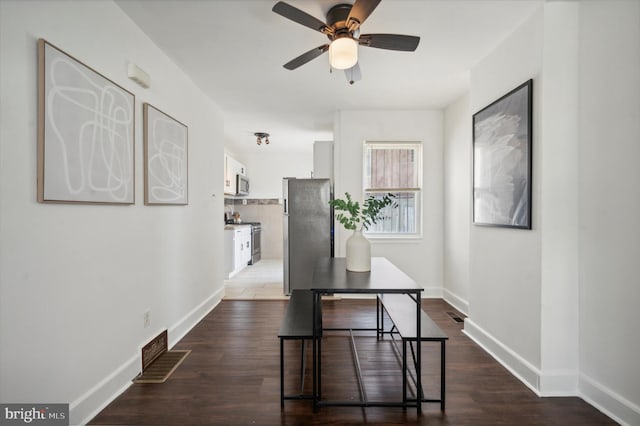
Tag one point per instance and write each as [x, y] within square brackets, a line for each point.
[343, 30]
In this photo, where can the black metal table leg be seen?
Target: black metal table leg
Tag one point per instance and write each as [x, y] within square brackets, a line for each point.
[419, 350]
[320, 368]
[404, 371]
[378, 332]
[281, 373]
[442, 374]
[315, 354]
[303, 357]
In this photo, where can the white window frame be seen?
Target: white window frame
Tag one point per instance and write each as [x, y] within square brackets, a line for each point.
[419, 190]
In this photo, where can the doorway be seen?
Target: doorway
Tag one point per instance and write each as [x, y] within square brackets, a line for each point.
[260, 281]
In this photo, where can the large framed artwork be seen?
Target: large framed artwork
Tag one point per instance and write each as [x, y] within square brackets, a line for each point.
[165, 159]
[502, 136]
[85, 133]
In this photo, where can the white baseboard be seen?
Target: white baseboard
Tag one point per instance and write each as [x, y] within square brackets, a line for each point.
[610, 403]
[428, 293]
[432, 293]
[518, 366]
[85, 408]
[182, 327]
[354, 296]
[457, 302]
[558, 383]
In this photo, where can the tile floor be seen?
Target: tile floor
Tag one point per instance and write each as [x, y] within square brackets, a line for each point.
[262, 281]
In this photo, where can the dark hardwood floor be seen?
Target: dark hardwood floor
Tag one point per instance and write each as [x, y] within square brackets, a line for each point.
[232, 377]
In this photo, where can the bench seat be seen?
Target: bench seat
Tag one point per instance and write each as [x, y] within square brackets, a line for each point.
[401, 309]
[297, 324]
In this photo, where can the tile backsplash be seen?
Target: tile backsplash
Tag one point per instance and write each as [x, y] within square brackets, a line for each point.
[267, 211]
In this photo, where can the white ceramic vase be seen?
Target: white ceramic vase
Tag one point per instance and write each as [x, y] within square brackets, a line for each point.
[358, 253]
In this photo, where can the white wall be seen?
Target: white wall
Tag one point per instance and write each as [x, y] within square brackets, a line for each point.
[504, 297]
[558, 201]
[556, 305]
[609, 197]
[420, 258]
[267, 169]
[75, 280]
[457, 202]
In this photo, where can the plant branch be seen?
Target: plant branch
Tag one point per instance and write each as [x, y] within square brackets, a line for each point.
[351, 215]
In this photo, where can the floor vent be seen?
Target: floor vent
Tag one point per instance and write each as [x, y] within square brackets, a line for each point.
[157, 362]
[455, 317]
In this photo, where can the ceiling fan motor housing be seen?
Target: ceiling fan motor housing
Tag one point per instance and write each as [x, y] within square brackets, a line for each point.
[337, 19]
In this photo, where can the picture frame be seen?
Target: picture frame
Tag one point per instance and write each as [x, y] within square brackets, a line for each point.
[86, 133]
[165, 158]
[502, 160]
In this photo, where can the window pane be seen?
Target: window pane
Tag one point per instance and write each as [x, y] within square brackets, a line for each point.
[397, 220]
[389, 166]
[394, 167]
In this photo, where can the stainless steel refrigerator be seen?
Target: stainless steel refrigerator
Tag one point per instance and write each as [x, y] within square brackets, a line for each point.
[308, 229]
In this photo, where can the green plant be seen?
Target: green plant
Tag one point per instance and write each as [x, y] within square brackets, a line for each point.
[351, 215]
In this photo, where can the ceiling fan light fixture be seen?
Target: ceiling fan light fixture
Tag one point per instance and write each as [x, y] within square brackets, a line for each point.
[343, 53]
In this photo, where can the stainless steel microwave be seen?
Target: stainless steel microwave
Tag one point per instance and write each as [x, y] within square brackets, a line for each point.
[242, 185]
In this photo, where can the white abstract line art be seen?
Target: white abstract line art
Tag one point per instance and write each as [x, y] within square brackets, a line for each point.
[88, 147]
[166, 158]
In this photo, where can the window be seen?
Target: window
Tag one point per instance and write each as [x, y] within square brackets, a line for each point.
[396, 168]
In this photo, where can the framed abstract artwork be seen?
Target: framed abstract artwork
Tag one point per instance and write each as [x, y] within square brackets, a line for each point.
[502, 137]
[85, 133]
[165, 159]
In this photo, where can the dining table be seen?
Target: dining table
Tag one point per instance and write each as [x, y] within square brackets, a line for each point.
[331, 277]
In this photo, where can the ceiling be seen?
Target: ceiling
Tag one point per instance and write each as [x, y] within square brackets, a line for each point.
[234, 51]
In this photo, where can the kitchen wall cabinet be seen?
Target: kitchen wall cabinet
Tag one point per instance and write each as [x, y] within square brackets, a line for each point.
[229, 183]
[323, 160]
[232, 167]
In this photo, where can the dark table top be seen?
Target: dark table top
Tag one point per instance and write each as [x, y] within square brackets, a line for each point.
[331, 276]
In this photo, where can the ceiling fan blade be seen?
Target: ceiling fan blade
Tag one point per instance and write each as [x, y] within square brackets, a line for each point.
[353, 74]
[390, 41]
[300, 17]
[306, 57]
[360, 11]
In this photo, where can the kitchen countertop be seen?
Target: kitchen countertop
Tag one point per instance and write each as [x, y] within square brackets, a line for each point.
[233, 226]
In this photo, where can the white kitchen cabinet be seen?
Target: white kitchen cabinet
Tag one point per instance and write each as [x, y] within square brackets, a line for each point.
[232, 167]
[241, 248]
[229, 251]
[229, 182]
[246, 248]
[240, 168]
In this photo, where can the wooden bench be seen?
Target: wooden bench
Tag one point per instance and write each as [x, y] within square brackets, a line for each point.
[401, 309]
[297, 325]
